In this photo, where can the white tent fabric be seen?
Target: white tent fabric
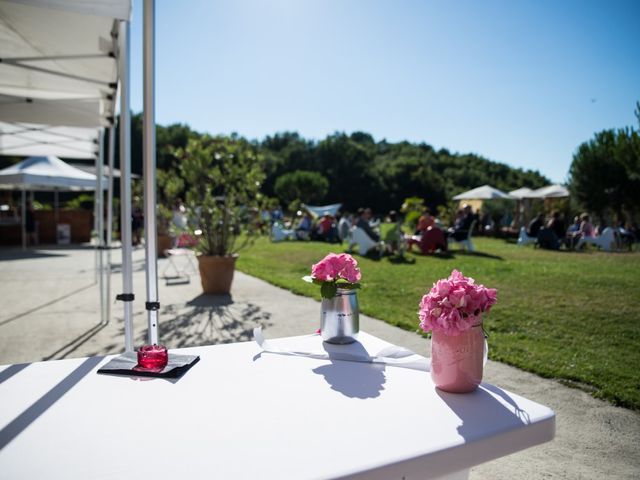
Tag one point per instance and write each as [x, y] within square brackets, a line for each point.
[70, 112]
[520, 193]
[552, 191]
[318, 211]
[59, 60]
[103, 8]
[46, 173]
[485, 192]
[41, 140]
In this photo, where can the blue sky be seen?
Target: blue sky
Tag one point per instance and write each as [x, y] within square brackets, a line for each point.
[519, 82]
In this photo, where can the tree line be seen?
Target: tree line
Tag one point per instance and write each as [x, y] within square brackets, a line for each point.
[352, 169]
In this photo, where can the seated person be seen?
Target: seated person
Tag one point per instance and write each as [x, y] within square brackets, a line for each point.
[425, 221]
[326, 230]
[304, 227]
[627, 234]
[535, 225]
[344, 225]
[462, 224]
[365, 215]
[556, 224]
[394, 239]
[586, 230]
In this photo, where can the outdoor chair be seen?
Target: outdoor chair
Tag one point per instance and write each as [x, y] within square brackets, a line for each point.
[607, 241]
[365, 243]
[183, 249]
[525, 239]
[467, 243]
[278, 233]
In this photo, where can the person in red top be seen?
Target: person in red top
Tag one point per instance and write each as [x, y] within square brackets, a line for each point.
[326, 229]
[425, 221]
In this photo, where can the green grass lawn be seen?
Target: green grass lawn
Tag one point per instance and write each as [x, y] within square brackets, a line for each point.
[570, 316]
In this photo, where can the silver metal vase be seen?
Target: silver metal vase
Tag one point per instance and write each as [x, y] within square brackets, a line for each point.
[339, 317]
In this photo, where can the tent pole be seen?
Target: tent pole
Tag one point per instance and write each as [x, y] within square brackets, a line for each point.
[96, 213]
[149, 156]
[112, 144]
[125, 186]
[99, 200]
[23, 220]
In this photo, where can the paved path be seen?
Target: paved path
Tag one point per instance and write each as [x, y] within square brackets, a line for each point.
[49, 310]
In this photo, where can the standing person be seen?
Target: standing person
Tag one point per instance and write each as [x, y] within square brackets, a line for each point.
[364, 218]
[137, 223]
[179, 215]
[30, 224]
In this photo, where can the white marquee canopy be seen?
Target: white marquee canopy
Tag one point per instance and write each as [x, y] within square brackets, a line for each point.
[58, 63]
[485, 192]
[46, 173]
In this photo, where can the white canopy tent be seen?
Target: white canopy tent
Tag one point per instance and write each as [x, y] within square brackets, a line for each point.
[46, 173]
[60, 63]
[485, 192]
[552, 191]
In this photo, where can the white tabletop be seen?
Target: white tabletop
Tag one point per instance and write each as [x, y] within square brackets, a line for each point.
[238, 414]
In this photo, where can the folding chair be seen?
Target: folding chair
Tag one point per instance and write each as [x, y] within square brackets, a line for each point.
[181, 269]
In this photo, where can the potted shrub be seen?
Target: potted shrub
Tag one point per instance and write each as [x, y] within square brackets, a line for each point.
[222, 177]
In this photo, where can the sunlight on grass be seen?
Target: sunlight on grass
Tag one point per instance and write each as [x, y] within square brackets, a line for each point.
[570, 316]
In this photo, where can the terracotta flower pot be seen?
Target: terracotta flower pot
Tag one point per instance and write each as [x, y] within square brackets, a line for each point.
[216, 273]
[165, 242]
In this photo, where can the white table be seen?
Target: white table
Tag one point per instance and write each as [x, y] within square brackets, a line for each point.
[240, 415]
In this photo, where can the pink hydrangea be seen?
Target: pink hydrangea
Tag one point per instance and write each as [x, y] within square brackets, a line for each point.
[335, 267]
[455, 304]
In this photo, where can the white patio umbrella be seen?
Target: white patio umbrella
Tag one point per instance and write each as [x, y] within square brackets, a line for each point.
[551, 191]
[485, 192]
[520, 193]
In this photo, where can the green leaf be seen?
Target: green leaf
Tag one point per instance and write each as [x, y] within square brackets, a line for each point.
[328, 290]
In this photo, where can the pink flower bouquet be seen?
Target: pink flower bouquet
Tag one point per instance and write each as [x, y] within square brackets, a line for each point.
[335, 271]
[455, 304]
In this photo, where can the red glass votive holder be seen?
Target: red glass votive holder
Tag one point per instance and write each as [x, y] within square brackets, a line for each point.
[152, 357]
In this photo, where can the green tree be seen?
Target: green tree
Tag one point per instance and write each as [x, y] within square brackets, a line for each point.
[605, 173]
[310, 187]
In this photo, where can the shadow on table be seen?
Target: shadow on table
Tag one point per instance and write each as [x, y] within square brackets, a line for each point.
[27, 417]
[210, 319]
[353, 379]
[480, 410]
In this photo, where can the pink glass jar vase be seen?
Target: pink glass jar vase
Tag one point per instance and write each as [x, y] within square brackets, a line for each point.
[457, 361]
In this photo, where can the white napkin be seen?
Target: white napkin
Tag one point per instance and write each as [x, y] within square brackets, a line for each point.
[394, 356]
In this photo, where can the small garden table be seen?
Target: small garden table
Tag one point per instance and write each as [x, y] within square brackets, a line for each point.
[243, 414]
